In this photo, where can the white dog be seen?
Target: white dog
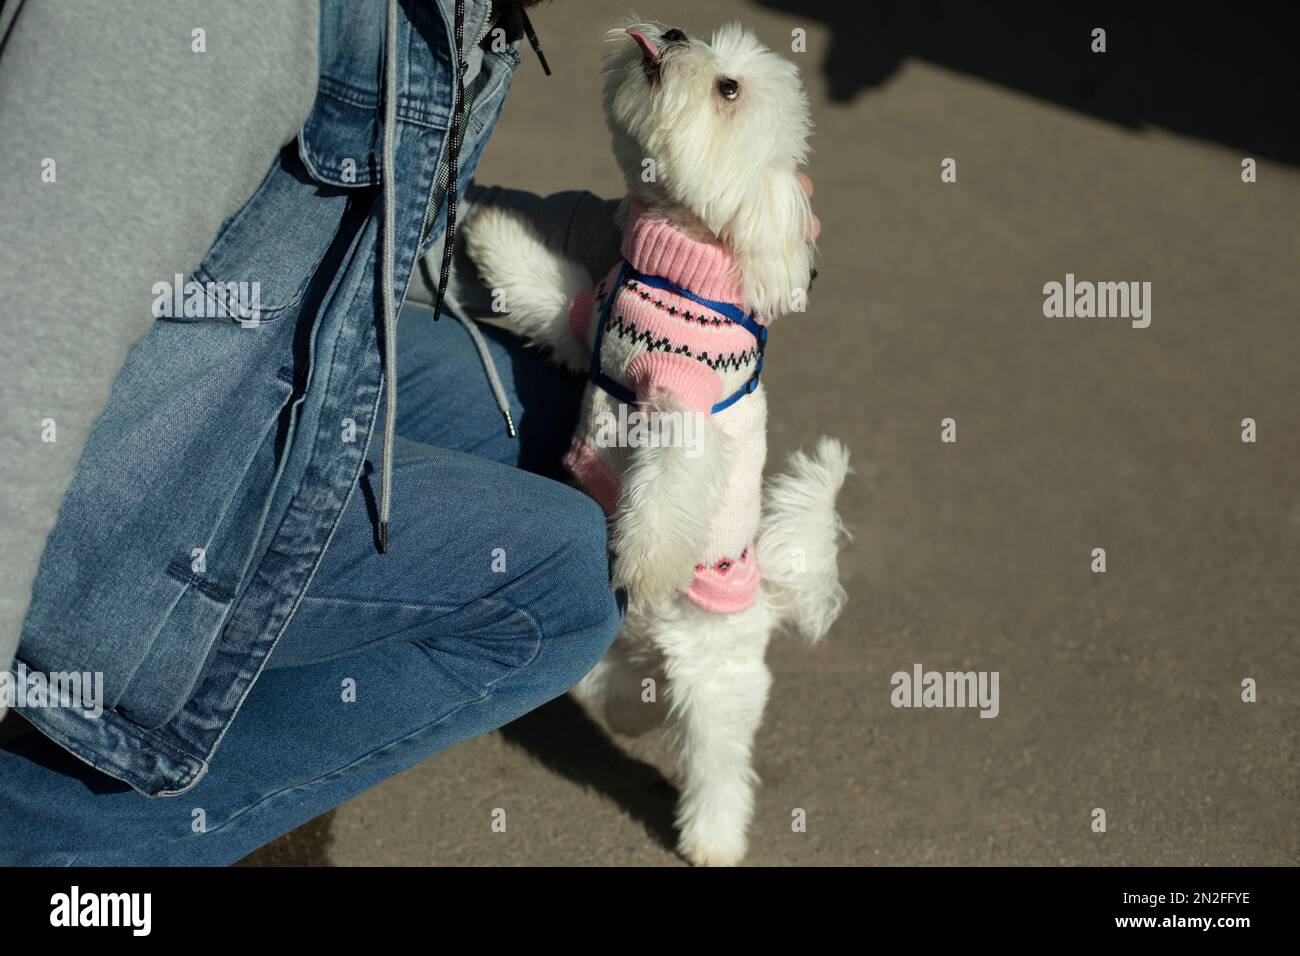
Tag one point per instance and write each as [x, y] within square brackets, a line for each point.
[717, 242]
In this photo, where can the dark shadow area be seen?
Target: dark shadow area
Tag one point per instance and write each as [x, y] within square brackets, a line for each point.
[1223, 73]
[309, 845]
[318, 288]
[566, 741]
[563, 739]
[368, 492]
[22, 739]
[552, 404]
[14, 725]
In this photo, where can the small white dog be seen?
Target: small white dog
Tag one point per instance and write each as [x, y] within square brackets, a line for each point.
[717, 242]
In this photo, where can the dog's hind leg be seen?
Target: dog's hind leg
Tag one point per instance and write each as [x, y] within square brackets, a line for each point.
[718, 684]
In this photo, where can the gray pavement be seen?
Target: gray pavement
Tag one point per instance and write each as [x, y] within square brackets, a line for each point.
[1120, 690]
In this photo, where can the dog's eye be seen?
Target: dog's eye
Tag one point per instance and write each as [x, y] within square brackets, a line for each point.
[728, 88]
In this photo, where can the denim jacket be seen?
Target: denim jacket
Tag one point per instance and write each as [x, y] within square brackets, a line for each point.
[209, 488]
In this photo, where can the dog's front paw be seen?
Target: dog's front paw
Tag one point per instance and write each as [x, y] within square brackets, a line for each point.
[721, 844]
[489, 238]
[532, 286]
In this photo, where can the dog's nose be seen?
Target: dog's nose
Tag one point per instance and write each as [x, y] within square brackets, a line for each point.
[673, 36]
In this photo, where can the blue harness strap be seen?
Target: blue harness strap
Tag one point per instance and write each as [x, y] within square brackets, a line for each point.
[726, 309]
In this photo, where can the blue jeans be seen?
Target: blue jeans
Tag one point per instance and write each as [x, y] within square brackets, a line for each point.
[492, 599]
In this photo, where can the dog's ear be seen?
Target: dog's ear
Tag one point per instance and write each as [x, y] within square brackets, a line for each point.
[771, 236]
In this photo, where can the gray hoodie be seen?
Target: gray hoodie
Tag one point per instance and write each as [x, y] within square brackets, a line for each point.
[131, 130]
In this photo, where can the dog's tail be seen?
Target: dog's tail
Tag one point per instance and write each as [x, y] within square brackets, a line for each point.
[798, 541]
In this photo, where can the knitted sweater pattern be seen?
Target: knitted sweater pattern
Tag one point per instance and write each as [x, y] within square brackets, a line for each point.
[656, 340]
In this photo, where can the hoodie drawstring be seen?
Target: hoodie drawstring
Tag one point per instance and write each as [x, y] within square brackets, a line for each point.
[489, 366]
[389, 181]
[388, 174]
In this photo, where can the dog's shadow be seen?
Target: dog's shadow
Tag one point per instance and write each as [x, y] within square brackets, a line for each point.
[560, 735]
[565, 740]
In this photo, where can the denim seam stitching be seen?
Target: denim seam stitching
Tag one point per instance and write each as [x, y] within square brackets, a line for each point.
[338, 519]
[181, 572]
[350, 96]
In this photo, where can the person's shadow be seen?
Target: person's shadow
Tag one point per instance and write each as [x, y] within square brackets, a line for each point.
[1215, 72]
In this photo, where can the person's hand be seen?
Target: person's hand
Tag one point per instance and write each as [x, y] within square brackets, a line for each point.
[807, 185]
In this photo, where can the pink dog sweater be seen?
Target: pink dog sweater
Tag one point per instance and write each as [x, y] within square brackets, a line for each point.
[657, 338]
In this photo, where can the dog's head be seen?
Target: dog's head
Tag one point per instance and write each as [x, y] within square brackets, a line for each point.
[716, 129]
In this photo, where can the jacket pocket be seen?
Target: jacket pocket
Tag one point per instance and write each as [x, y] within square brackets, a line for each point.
[264, 256]
[202, 581]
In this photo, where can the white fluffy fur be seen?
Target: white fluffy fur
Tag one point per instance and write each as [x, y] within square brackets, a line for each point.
[538, 283]
[726, 172]
[718, 682]
[724, 168]
[798, 546]
[666, 502]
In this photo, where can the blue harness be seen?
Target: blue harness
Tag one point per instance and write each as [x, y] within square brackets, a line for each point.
[746, 322]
